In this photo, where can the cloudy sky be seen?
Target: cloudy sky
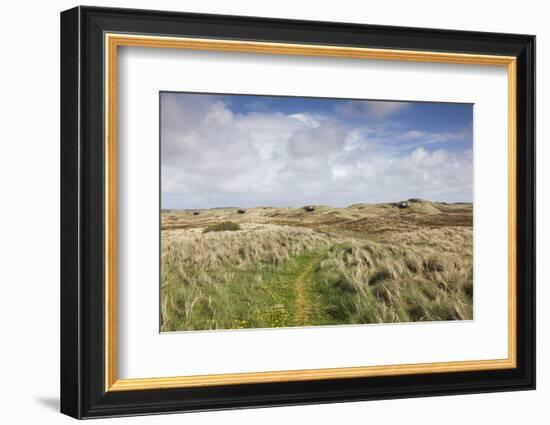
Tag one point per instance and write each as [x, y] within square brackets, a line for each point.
[240, 150]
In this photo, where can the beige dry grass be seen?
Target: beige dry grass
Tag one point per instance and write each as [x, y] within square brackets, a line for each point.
[366, 264]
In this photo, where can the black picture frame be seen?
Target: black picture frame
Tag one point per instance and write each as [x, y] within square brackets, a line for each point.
[83, 392]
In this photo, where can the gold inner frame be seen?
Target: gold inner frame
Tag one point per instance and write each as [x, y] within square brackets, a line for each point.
[113, 41]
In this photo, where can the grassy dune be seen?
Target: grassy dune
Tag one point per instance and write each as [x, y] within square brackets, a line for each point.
[274, 267]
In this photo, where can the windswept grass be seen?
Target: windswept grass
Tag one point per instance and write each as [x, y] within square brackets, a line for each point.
[369, 282]
[233, 279]
[287, 267]
[224, 226]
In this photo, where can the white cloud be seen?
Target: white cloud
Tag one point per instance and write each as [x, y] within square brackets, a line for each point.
[212, 157]
[308, 120]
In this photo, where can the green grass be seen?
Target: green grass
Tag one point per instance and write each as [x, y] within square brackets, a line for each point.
[261, 296]
[316, 288]
[396, 287]
[225, 226]
[285, 267]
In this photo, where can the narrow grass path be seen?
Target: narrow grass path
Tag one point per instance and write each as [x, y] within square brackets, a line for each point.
[298, 287]
[305, 303]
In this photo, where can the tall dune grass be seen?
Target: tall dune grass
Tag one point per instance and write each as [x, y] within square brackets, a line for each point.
[221, 280]
[244, 278]
[417, 276]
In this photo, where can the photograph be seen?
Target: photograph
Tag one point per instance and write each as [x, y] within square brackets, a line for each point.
[285, 210]
[297, 211]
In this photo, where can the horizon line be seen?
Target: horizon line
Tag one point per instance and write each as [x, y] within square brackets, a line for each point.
[320, 205]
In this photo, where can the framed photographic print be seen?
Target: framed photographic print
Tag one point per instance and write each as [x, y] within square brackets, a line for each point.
[261, 212]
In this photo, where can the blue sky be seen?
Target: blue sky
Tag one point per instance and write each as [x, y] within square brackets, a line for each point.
[241, 150]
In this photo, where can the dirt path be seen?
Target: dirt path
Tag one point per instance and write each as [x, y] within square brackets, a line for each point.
[305, 305]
